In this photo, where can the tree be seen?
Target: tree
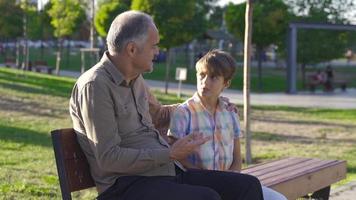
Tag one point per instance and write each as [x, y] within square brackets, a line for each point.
[10, 19]
[247, 61]
[107, 13]
[11, 22]
[66, 16]
[178, 21]
[270, 22]
[315, 46]
[216, 18]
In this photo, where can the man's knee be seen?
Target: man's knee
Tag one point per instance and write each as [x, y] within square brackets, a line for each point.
[205, 193]
[254, 180]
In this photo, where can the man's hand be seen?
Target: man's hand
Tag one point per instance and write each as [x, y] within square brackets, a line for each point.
[230, 106]
[186, 145]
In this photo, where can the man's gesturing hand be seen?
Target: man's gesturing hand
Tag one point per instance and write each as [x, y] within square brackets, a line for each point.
[186, 145]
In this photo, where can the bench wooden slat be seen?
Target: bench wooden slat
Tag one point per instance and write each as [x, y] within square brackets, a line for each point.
[274, 166]
[291, 170]
[302, 177]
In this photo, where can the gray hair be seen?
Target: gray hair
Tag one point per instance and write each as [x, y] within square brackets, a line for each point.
[129, 26]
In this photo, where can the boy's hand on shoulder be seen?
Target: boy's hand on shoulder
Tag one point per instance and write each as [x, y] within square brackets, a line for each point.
[187, 145]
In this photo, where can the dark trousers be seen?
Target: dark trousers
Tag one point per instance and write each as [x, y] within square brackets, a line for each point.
[190, 185]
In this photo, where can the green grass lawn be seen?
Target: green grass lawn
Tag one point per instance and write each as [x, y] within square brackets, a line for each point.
[31, 105]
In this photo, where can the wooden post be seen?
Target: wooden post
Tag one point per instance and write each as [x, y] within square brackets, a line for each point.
[82, 69]
[246, 87]
[58, 61]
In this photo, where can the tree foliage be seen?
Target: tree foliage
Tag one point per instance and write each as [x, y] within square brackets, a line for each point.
[38, 23]
[106, 14]
[11, 22]
[216, 18]
[66, 16]
[270, 22]
[269, 26]
[178, 21]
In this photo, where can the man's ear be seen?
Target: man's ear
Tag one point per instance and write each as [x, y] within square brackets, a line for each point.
[131, 49]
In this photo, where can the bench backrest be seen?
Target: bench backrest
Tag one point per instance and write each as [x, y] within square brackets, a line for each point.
[40, 63]
[72, 165]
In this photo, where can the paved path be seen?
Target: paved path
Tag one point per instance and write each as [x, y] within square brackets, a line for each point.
[336, 99]
[346, 192]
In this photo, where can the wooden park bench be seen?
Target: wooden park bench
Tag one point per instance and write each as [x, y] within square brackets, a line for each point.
[313, 83]
[298, 177]
[340, 83]
[293, 177]
[10, 62]
[41, 66]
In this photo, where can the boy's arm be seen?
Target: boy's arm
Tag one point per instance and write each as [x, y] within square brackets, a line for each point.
[237, 161]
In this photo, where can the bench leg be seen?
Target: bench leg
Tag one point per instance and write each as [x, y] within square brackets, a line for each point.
[322, 194]
[343, 87]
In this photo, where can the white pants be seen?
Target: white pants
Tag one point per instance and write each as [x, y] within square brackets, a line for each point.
[269, 194]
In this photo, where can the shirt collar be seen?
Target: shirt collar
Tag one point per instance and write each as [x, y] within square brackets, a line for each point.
[115, 74]
[221, 103]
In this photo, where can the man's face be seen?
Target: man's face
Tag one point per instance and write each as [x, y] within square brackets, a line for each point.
[147, 51]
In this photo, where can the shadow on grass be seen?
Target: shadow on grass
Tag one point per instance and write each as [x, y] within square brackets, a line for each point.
[32, 108]
[25, 136]
[33, 83]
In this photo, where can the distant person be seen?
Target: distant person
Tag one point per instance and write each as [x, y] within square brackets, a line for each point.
[329, 82]
[110, 108]
[29, 65]
[320, 77]
[206, 113]
[348, 55]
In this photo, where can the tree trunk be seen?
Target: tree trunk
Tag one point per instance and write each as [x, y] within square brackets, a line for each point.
[259, 68]
[42, 50]
[17, 53]
[68, 53]
[168, 64]
[58, 53]
[303, 66]
[246, 92]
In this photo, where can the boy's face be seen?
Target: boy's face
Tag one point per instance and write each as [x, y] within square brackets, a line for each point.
[209, 85]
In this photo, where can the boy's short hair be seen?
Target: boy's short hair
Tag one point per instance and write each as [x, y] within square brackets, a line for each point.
[218, 63]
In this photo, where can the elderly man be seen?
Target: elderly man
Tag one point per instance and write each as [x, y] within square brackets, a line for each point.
[110, 108]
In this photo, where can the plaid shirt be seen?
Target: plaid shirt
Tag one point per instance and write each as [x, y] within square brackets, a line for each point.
[191, 116]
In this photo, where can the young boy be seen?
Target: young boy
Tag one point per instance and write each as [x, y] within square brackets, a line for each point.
[206, 113]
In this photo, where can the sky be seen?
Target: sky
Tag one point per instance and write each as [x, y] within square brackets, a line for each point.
[224, 2]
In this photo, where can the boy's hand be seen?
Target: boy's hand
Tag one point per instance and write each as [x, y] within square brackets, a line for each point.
[187, 145]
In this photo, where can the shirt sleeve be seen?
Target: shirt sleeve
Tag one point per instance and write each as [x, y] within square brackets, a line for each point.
[98, 114]
[236, 125]
[179, 125]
